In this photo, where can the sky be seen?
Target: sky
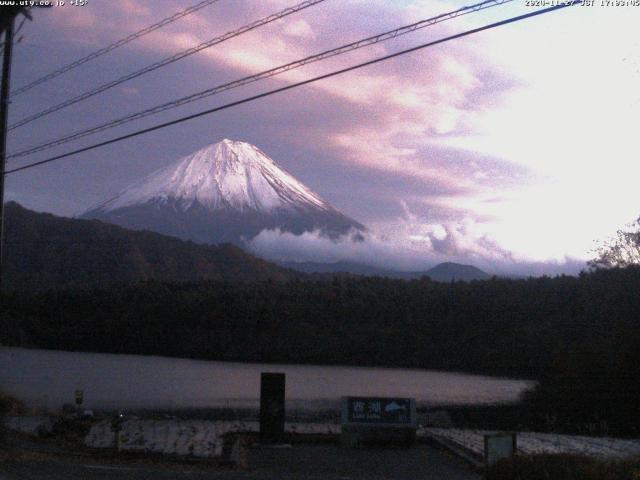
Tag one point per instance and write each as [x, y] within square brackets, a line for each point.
[514, 149]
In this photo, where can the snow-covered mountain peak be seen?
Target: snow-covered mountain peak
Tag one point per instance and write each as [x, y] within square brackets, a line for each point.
[228, 174]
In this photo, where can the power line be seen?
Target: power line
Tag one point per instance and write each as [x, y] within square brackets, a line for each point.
[298, 84]
[113, 46]
[263, 75]
[166, 61]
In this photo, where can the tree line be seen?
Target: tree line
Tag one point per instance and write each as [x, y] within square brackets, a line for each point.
[578, 336]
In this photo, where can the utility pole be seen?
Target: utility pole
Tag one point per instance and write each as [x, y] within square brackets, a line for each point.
[4, 114]
[8, 15]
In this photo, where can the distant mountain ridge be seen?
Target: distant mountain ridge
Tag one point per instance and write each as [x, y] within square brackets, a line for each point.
[443, 272]
[227, 192]
[46, 251]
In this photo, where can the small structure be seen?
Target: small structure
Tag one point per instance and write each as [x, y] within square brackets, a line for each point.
[272, 410]
[378, 421]
[498, 446]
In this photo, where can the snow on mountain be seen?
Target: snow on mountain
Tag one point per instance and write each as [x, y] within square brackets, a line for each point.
[228, 191]
[226, 174]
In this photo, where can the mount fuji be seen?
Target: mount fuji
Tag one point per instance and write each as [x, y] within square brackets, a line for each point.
[227, 192]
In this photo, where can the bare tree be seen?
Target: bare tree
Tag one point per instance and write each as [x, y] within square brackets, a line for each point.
[621, 250]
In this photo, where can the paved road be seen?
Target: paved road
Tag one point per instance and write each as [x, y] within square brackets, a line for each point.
[311, 462]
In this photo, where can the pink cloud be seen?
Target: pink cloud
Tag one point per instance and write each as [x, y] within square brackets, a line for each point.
[133, 7]
[383, 115]
[299, 29]
[75, 18]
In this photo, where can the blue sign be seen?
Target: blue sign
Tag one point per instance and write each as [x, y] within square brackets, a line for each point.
[378, 410]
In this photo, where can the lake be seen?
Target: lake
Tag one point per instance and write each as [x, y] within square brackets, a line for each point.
[48, 379]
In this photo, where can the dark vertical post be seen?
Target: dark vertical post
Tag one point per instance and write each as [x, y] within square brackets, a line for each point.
[4, 112]
[272, 411]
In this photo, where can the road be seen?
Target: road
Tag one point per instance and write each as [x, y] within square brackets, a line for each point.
[309, 462]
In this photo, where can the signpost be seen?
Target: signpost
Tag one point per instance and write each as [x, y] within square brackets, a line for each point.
[79, 397]
[116, 428]
[378, 420]
[79, 394]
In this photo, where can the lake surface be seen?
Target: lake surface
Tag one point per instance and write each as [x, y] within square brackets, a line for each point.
[46, 378]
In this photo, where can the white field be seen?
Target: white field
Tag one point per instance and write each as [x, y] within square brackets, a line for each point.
[205, 438]
[48, 379]
[197, 438]
[530, 443]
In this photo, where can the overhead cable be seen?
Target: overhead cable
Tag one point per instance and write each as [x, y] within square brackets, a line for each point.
[113, 46]
[298, 84]
[381, 37]
[166, 61]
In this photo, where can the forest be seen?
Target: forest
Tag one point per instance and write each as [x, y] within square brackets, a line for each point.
[578, 336]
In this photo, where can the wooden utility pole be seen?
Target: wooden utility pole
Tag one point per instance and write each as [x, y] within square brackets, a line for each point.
[7, 23]
[8, 15]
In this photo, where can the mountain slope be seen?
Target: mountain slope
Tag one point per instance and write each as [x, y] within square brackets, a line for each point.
[45, 251]
[448, 271]
[226, 192]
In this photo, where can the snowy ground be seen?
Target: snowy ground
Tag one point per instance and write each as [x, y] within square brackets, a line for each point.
[533, 443]
[202, 438]
[198, 438]
[205, 438]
